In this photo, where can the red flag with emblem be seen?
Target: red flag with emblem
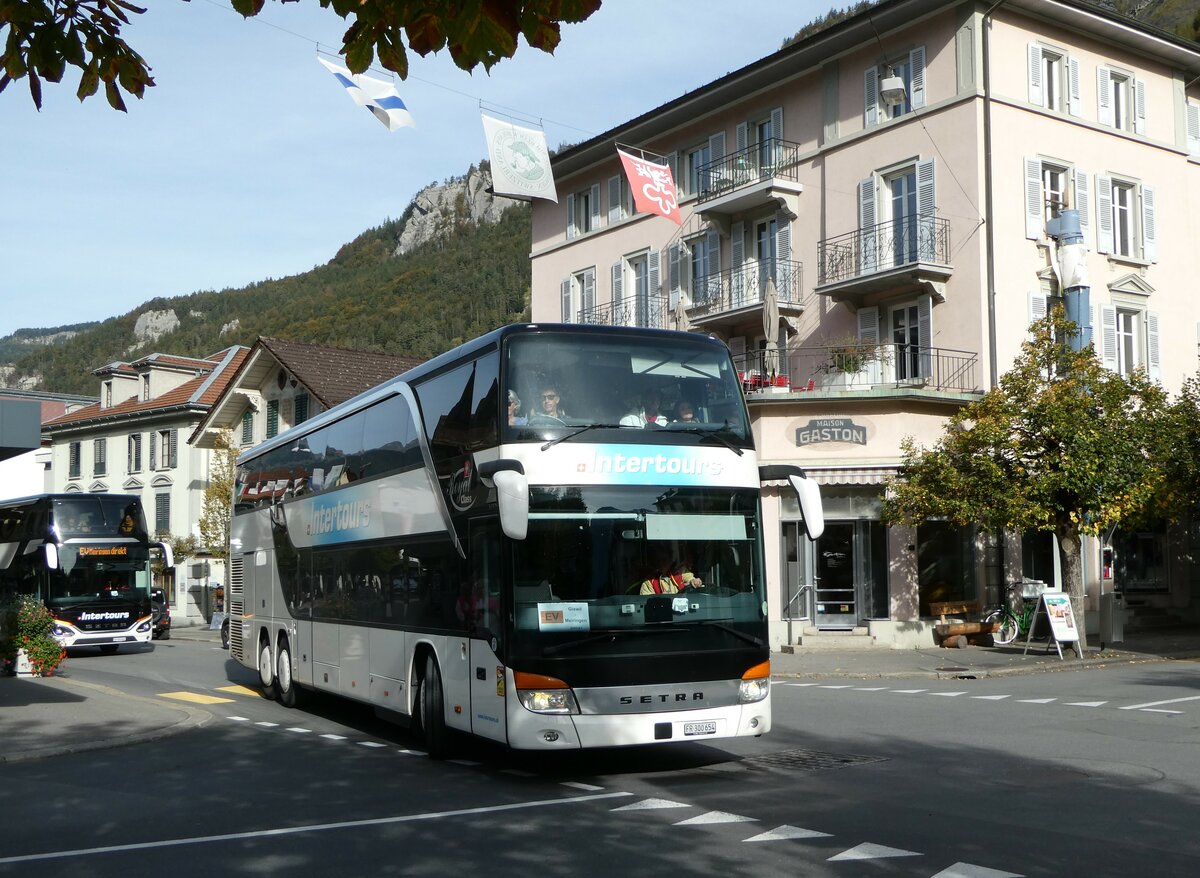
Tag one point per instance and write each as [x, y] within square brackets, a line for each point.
[652, 186]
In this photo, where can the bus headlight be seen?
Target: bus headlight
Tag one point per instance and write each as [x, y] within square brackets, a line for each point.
[541, 694]
[755, 684]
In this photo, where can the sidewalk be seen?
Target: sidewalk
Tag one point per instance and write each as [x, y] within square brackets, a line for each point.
[59, 715]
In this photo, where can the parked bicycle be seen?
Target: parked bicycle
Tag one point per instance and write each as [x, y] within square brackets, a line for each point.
[1008, 624]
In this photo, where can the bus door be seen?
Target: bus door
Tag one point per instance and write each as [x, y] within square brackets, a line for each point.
[485, 627]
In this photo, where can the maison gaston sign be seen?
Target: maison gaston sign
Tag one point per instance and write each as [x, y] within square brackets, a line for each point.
[831, 430]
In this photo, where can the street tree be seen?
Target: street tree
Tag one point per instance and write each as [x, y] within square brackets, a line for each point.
[43, 37]
[216, 506]
[1062, 445]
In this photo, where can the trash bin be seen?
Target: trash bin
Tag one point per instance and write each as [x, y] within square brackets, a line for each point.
[1112, 618]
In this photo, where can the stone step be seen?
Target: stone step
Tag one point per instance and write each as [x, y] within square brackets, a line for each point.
[852, 638]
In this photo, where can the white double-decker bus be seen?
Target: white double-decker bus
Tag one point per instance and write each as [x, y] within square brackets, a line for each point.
[561, 572]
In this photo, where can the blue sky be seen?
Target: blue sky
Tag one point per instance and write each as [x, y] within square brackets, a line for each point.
[248, 161]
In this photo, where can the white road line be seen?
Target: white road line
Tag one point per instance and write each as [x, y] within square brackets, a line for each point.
[967, 870]
[715, 817]
[239, 719]
[785, 831]
[464, 762]
[370, 744]
[413, 752]
[798, 685]
[1084, 703]
[576, 785]
[332, 737]
[991, 697]
[652, 805]
[1158, 703]
[910, 691]
[844, 686]
[300, 731]
[1036, 700]
[1158, 710]
[947, 694]
[295, 830]
[267, 725]
[870, 688]
[870, 851]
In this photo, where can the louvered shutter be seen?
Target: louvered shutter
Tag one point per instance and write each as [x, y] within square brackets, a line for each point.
[594, 204]
[1039, 305]
[1104, 217]
[1033, 198]
[916, 65]
[571, 230]
[712, 266]
[589, 290]
[870, 97]
[564, 292]
[1075, 94]
[174, 449]
[784, 282]
[1104, 95]
[737, 259]
[1139, 106]
[654, 292]
[1193, 129]
[1083, 204]
[1149, 226]
[1108, 337]
[868, 330]
[674, 276]
[614, 199]
[926, 211]
[153, 451]
[617, 273]
[776, 152]
[867, 257]
[1036, 97]
[1153, 353]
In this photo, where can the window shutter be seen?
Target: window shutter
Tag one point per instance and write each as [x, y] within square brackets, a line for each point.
[618, 282]
[777, 133]
[1153, 355]
[712, 252]
[1039, 305]
[1104, 217]
[571, 230]
[866, 224]
[594, 204]
[868, 325]
[247, 428]
[564, 293]
[741, 137]
[589, 289]
[1103, 85]
[1108, 337]
[1149, 226]
[73, 460]
[1035, 76]
[673, 164]
[926, 195]
[673, 276]
[1033, 198]
[925, 331]
[1193, 129]
[1139, 106]
[1075, 95]
[614, 199]
[737, 350]
[301, 408]
[153, 451]
[174, 449]
[716, 146]
[162, 513]
[870, 97]
[654, 278]
[737, 246]
[1083, 202]
[916, 64]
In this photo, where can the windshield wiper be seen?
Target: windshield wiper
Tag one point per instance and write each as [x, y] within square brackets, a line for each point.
[729, 629]
[606, 635]
[571, 435]
[711, 432]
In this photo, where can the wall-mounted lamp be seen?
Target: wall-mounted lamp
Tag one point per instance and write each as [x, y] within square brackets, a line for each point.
[891, 90]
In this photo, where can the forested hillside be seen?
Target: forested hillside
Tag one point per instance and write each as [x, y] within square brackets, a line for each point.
[474, 278]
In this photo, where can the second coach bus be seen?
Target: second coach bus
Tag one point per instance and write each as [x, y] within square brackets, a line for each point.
[525, 539]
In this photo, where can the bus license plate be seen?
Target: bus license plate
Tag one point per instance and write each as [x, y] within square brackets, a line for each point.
[709, 728]
[119, 639]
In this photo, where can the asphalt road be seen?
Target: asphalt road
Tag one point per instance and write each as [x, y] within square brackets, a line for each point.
[1057, 774]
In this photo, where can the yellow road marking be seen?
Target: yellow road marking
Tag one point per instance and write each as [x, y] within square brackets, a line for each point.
[240, 690]
[195, 697]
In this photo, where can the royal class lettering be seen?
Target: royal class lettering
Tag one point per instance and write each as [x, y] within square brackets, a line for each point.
[102, 617]
[653, 464]
[663, 699]
[340, 517]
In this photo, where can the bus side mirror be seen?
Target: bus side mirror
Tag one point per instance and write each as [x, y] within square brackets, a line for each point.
[809, 493]
[512, 494]
[168, 556]
[51, 556]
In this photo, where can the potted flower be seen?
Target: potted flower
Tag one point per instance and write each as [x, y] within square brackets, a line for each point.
[26, 642]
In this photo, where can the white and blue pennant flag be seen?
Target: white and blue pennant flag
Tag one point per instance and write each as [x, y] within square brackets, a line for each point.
[376, 95]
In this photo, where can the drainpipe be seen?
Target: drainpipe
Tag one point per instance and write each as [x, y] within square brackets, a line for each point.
[989, 237]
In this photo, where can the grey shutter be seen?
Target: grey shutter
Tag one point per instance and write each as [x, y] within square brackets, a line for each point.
[916, 64]
[571, 230]
[673, 164]
[1103, 84]
[588, 295]
[1104, 217]
[1153, 352]
[870, 97]
[1108, 337]
[926, 211]
[925, 331]
[564, 292]
[594, 204]
[1033, 198]
[673, 275]
[153, 450]
[1039, 305]
[1193, 129]
[614, 199]
[1083, 203]
[1075, 95]
[174, 449]
[737, 260]
[1139, 106]
[654, 291]
[867, 257]
[712, 266]
[868, 325]
[777, 133]
[617, 273]
[784, 281]
[1036, 96]
[741, 137]
[716, 146]
[1149, 226]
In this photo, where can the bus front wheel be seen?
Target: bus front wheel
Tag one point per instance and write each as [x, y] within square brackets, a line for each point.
[285, 684]
[266, 673]
[433, 716]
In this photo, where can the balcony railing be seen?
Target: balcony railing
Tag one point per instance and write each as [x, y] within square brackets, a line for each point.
[772, 158]
[859, 366]
[648, 312]
[906, 241]
[747, 286]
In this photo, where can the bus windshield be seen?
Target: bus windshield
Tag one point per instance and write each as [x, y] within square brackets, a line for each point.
[638, 561]
[100, 572]
[556, 384]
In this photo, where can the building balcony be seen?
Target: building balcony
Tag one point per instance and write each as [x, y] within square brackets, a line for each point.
[886, 261]
[859, 367]
[750, 179]
[649, 312]
[731, 299]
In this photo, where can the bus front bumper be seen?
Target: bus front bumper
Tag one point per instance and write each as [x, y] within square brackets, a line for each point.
[70, 636]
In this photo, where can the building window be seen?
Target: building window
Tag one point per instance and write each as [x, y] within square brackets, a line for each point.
[695, 160]
[99, 456]
[107, 394]
[1050, 188]
[1126, 216]
[73, 464]
[1129, 338]
[620, 199]
[163, 449]
[1122, 100]
[583, 211]
[578, 297]
[301, 409]
[910, 70]
[247, 428]
[1124, 224]
[145, 386]
[272, 418]
[134, 453]
[1053, 80]
[162, 513]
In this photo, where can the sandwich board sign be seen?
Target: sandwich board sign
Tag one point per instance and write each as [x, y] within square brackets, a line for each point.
[1061, 616]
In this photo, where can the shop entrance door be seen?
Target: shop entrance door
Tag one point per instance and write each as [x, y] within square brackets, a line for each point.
[836, 598]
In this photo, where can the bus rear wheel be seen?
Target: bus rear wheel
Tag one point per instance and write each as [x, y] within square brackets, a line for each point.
[266, 670]
[285, 684]
[433, 716]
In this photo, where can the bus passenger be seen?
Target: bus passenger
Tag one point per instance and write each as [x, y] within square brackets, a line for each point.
[684, 412]
[649, 413]
[514, 408]
[675, 578]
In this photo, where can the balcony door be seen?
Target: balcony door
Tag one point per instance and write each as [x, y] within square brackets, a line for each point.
[766, 251]
[902, 208]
